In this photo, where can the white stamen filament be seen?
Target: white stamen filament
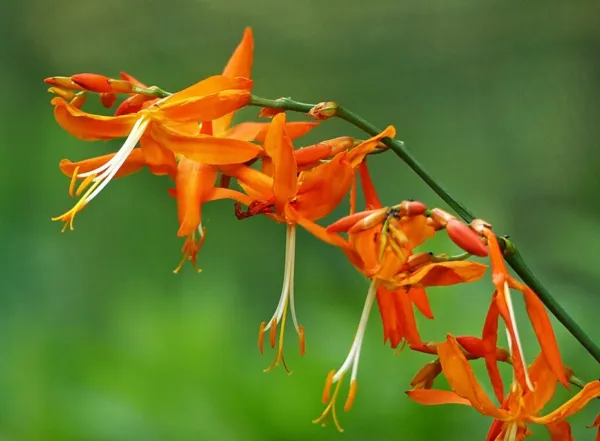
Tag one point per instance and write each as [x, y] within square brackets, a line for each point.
[287, 290]
[110, 168]
[511, 313]
[511, 433]
[354, 354]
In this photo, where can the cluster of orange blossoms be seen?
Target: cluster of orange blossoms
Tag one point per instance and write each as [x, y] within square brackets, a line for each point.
[189, 137]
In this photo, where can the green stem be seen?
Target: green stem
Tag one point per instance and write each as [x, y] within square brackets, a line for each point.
[512, 255]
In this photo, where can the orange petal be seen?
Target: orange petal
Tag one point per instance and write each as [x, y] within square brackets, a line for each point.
[323, 188]
[343, 224]
[204, 148]
[208, 86]
[321, 233]
[416, 229]
[217, 193]
[544, 332]
[160, 161]
[499, 272]
[490, 343]
[88, 126]
[596, 424]
[387, 310]
[310, 156]
[204, 108]
[444, 274]
[239, 65]
[544, 383]
[258, 185]
[571, 407]
[405, 317]
[279, 148]
[560, 431]
[419, 298]
[433, 397]
[371, 198]
[462, 379]
[358, 153]
[254, 131]
[192, 183]
[134, 162]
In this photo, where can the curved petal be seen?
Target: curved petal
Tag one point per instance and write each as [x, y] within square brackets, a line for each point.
[204, 148]
[134, 162]
[371, 198]
[490, 353]
[239, 65]
[203, 108]
[192, 183]
[418, 297]
[444, 274]
[405, 317]
[321, 233]
[416, 229]
[217, 193]
[208, 86]
[571, 407]
[258, 185]
[279, 148]
[387, 310]
[435, 397]
[256, 131]
[462, 379]
[358, 153]
[560, 431]
[90, 127]
[323, 188]
[544, 383]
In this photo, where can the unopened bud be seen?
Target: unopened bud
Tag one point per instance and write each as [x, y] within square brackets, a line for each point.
[479, 226]
[121, 86]
[62, 82]
[324, 110]
[132, 104]
[312, 154]
[341, 144]
[64, 94]
[432, 223]
[463, 236]
[79, 100]
[93, 82]
[108, 99]
[374, 218]
[440, 216]
[343, 224]
[419, 259]
[412, 208]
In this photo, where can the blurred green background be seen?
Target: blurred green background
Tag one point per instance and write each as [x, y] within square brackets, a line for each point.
[100, 341]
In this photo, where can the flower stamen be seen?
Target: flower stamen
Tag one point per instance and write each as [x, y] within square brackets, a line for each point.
[191, 248]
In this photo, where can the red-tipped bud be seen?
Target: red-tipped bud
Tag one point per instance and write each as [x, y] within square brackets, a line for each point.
[133, 104]
[79, 100]
[412, 208]
[479, 225]
[93, 82]
[312, 154]
[432, 223]
[121, 86]
[108, 99]
[341, 144]
[62, 82]
[324, 110]
[441, 217]
[64, 94]
[343, 224]
[463, 236]
[267, 112]
[475, 348]
[426, 375]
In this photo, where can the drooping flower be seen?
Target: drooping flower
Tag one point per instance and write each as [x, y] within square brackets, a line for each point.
[519, 408]
[282, 193]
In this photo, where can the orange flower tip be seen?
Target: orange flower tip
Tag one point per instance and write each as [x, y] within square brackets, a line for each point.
[412, 208]
[273, 332]
[63, 93]
[341, 144]
[324, 110]
[93, 82]
[466, 238]
[351, 396]
[267, 112]
[432, 223]
[344, 224]
[311, 155]
[480, 226]
[63, 83]
[327, 388]
[261, 337]
[108, 99]
[374, 218]
[302, 340]
[132, 104]
[121, 86]
[440, 217]
[419, 259]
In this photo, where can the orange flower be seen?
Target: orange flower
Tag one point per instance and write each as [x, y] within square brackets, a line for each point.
[166, 121]
[296, 199]
[502, 306]
[519, 408]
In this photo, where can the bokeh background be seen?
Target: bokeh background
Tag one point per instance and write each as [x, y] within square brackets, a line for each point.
[99, 341]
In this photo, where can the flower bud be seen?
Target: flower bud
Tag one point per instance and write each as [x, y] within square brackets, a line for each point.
[324, 110]
[93, 82]
[79, 100]
[463, 236]
[426, 375]
[340, 144]
[108, 99]
[441, 217]
[312, 154]
[121, 86]
[419, 259]
[479, 225]
[412, 208]
[374, 218]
